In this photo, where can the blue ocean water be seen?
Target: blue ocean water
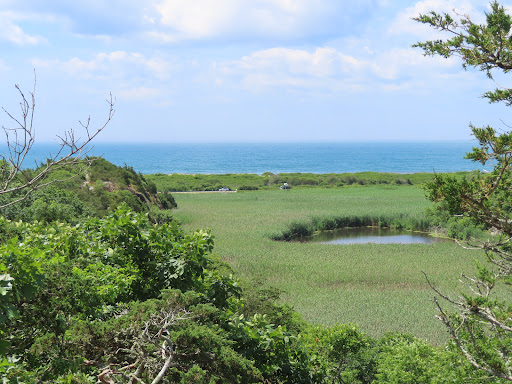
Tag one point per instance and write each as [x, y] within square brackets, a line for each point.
[201, 158]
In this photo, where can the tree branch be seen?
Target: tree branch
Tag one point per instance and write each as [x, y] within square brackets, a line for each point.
[20, 140]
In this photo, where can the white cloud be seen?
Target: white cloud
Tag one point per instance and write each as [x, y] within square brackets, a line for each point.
[10, 30]
[138, 93]
[325, 68]
[169, 21]
[177, 20]
[238, 19]
[403, 63]
[130, 76]
[91, 17]
[116, 64]
[322, 62]
[197, 19]
[329, 69]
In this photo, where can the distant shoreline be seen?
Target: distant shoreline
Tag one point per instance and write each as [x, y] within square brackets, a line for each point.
[304, 173]
[208, 183]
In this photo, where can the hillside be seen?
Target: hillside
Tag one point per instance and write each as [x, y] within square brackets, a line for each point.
[101, 187]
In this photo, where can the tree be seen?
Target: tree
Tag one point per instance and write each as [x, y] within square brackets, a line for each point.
[18, 183]
[479, 323]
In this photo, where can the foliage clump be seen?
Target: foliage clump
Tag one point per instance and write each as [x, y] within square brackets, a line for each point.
[119, 297]
[102, 187]
[480, 323]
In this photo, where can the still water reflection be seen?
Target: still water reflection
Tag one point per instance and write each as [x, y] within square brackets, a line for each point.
[372, 235]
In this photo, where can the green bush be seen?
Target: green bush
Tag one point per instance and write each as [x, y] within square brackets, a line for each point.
[342, 354]
[61, 273]
[407, 360]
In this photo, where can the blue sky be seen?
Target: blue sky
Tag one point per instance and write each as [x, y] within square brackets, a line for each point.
[240, 70]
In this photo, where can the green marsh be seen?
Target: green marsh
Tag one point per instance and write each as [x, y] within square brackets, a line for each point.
[380, 287]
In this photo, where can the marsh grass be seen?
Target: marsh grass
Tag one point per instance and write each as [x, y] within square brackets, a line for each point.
[380, 287]
[244, 181]
[298, 231]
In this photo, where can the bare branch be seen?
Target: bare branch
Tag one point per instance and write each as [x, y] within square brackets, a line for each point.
[20, 139]
[154, 331]
[454, 332]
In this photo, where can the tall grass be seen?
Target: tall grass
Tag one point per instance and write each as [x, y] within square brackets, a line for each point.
[380, 287]
[300, 230]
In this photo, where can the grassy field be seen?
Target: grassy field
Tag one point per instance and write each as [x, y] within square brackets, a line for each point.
[379, 287]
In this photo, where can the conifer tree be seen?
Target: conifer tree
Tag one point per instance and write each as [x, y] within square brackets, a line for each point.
[480, 324]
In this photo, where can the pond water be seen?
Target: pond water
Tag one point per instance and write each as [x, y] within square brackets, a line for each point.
[372, 235]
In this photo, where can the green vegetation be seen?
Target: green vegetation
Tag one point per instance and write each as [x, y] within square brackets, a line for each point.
[181, 183]
[370, 285]
[113, 295]
[118, 299]
[99, 283]
[101, 187]
[480, 321]
[301, 230]
[94, 293]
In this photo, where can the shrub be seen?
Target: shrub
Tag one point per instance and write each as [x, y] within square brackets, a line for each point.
[61, 271]
[295, 231]
[301, 230]
[404, 359]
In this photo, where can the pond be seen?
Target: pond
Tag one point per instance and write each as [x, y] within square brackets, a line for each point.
[372, 235]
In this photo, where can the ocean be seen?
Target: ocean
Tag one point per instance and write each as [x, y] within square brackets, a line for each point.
[201, 158]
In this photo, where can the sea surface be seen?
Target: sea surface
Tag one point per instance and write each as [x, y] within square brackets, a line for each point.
[399, 157]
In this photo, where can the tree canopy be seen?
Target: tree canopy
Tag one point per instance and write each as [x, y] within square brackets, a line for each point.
[480, 322]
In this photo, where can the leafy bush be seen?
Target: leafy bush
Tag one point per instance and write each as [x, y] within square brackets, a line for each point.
[404, 359]
[341, 354]
[275, 352]
[57, 274]
[103, 188]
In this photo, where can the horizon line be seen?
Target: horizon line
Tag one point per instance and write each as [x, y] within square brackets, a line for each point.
[415, 141]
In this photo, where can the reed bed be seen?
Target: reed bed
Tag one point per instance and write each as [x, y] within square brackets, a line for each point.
[380, 287]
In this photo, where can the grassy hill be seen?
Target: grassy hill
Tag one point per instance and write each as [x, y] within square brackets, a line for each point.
[101, 187]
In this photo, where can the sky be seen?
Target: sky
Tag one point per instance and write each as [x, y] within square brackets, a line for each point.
[240, 70]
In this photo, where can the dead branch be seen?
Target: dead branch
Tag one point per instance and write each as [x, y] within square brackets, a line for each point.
[155, 331]
[20, 139]
[454, 332]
